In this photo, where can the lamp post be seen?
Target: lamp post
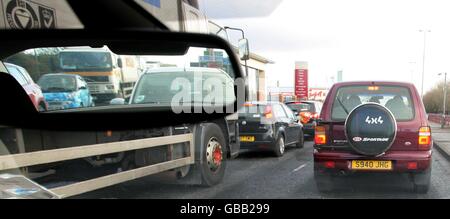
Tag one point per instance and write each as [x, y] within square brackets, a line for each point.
[445, 99]
[423, 56]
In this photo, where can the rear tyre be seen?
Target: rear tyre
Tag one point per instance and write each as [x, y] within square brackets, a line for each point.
[421, 182]
[279, 146]
[301, 140]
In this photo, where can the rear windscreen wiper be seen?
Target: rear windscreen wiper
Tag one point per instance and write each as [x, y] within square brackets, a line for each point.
[342, 105]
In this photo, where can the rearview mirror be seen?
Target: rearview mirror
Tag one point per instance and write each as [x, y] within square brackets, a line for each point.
[195, 89]
[244, 50]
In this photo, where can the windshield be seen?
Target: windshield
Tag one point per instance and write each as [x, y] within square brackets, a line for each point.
[157, 87]
[85, 61]
[57, 83]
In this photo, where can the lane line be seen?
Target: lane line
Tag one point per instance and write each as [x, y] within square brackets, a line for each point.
[299, 168]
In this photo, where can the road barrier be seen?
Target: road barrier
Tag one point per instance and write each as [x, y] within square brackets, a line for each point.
[437, 118]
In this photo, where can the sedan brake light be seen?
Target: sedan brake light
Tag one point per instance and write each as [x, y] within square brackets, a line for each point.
[268, 112]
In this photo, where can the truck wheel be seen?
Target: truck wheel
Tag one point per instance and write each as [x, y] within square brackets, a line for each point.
[279, 146]
[301, 140]
[421, 181]
[214, 155]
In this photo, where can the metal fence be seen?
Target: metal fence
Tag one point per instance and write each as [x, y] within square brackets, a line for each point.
[437, 118]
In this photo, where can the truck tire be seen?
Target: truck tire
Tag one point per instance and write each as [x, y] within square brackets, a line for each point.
[214, 155]
[204, 172]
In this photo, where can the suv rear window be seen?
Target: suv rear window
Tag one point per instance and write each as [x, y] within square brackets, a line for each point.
[396, 98]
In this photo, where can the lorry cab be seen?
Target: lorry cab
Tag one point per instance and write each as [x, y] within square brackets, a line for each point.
[106, 73]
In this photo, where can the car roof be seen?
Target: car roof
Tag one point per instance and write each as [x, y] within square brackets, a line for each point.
[374, 83]
[302, 102]
[263, 102]
[178, 69]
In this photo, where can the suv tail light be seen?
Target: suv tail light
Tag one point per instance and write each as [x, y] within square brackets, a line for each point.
[268, 112]
[319, 135]
[424, 138]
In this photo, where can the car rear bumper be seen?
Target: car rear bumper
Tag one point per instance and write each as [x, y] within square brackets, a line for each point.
[263, 141]
[309, 128]
[400, 160]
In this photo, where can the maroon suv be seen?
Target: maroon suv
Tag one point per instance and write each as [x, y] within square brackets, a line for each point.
[373, 127]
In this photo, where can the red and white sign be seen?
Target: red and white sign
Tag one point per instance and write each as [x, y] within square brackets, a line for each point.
[317, 93]
[301, 80]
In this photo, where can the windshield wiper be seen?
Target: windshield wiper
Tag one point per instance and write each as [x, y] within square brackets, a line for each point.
[342, 105]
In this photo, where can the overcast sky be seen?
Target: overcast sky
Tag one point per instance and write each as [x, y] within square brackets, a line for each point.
[368, 40]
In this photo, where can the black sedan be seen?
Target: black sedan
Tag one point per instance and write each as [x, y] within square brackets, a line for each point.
[269, 126]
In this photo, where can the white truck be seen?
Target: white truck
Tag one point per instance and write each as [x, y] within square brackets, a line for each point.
[183, 15]
[108, 75]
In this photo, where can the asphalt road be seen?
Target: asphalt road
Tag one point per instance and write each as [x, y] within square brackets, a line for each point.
[262, 176]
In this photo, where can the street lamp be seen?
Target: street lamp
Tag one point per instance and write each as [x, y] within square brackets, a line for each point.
[423, 56]
[445, 99]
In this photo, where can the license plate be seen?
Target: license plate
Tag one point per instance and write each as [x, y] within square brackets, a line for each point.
[247, 138]
[371, 164]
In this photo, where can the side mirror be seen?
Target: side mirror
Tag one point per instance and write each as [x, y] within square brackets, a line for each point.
[83, 88]
[296, 114]
[119, 62]
[244, 50]
[117, 101]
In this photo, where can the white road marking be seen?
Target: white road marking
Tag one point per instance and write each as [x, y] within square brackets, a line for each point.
[299, 168]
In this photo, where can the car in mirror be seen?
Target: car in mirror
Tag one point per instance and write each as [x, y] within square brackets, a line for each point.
[190, 78]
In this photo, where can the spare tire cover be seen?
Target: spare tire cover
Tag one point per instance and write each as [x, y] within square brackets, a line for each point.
[370, 129]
